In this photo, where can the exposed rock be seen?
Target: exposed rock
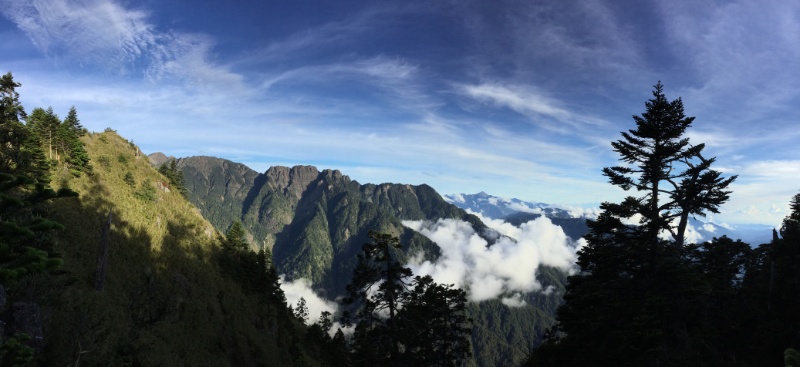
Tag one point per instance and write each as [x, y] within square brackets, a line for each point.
[163, 186]
[158, 158]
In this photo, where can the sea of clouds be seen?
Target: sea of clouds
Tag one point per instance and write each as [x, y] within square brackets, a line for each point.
[506, 269]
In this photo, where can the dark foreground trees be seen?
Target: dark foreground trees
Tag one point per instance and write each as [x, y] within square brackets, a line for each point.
[644, 296]
[400, 320]
[26, 238]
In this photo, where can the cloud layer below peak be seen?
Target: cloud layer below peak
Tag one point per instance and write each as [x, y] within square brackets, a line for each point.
[506, 268]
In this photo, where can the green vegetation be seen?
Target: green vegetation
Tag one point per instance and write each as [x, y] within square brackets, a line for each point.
[175, 176]
[128, 178]
[641, 299]
[27, 242]
[316, 223]
[399, 321]
[146, 192]
[177, 292]
[60, 140]
[169, 297]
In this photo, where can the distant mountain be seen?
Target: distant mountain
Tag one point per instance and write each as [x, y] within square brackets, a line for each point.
[516, 211]
[316, 221]
[495, 207]
[754, 234]
[157, 159]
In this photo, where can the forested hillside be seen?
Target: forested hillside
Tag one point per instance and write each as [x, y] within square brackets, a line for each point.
[316, 221]
[115, 268]
[163, 279]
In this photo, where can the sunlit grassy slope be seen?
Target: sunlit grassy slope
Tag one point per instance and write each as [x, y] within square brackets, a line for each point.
[165, 301]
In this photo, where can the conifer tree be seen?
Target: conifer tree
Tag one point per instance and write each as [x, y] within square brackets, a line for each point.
[785, 253]
[10, 108]
[672, 175]
[400, 321]
[45, 123]
[377, 267]
[636, 299]
[73, 123]
[171, 171]
[301, 311]
[272, 282]
[26, 243]
[434, 325]
[20, 149]
[235, 238]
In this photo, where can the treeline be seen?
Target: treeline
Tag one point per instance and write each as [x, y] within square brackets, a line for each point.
[27, 241]
[395, 318]
[644, 297]
[43, 141]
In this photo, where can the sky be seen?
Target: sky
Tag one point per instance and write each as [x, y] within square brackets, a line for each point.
[515, 98]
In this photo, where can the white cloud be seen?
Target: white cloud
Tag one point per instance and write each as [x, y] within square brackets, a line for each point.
[97, 32]
[487, 272]
[580, 212]
[301, 288]
[524, 100]
[522, 207]
[457, 198]
[515, 300]
[105, 33]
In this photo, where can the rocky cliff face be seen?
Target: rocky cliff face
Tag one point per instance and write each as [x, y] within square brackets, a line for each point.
[314, 221]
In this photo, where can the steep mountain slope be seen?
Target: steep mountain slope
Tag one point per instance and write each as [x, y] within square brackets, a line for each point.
[165, 300]
[316, 221]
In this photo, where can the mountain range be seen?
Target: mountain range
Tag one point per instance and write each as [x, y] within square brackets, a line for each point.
[316, 221]
[572, 220]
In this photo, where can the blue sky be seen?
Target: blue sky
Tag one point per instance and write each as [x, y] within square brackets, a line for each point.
[515, 98]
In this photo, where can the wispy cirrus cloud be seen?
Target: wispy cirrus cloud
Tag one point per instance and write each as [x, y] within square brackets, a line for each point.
[94, 32]
[743, 71]
[396, 81]
[533, 41]
[541, 109]
[106, 34]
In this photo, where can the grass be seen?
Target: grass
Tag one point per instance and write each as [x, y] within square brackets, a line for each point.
[165, 301]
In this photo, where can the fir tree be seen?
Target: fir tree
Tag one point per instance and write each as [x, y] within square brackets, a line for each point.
[377, 267]
[10, 108]
[26, 242]
[637, 298]
[45, 123]
[301, 311]
[73, 123]
[662, 164]
[400, 321]
[434, 325]
[235, 238]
